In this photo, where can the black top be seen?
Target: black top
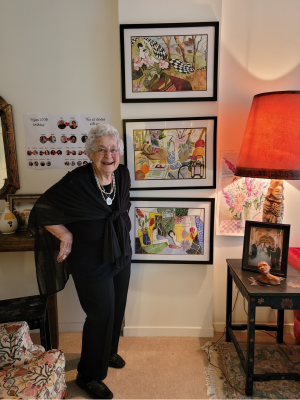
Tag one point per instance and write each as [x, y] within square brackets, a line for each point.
[76, 198]
[86, 257]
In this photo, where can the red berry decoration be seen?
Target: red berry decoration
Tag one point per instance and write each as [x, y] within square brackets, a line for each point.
[199, 143]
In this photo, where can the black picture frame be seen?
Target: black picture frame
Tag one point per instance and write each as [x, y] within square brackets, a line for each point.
[180, 175]
[192, 233]
[141, 83]
[266, 242]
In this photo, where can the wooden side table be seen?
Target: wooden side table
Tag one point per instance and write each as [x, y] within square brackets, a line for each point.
[22, 241]
[282, 297]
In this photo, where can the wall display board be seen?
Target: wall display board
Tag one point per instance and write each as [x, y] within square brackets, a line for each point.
[58, 140]
[239, 199]
[169, 62]
[171, 153]
[172, 230]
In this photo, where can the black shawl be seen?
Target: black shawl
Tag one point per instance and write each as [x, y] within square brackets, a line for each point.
[76, 197]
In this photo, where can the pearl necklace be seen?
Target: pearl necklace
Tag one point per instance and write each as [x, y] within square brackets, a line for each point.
[107, 199]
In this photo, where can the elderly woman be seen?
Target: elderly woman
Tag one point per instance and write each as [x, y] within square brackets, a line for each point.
[81, 226]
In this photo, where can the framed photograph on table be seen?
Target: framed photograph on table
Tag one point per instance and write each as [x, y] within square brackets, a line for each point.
[266, 242]
[21, 205]
[172, 230]
[169, 62]
[171, 153]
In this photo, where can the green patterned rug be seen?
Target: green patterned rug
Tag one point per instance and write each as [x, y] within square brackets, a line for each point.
[268, 358]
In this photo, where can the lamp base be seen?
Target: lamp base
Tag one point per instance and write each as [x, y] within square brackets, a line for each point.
[274, 204]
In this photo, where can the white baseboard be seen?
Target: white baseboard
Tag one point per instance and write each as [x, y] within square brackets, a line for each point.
[136, 331]
[70, 327]
[287, 328]
[132, 331]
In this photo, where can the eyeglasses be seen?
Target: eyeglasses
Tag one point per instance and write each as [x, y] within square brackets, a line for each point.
[103, 150]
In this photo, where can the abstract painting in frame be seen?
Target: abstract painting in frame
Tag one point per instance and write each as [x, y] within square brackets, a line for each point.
[169, 62]
[171, 153]
[172, 230]
[266, 242]
[21, 205]
[239, 199]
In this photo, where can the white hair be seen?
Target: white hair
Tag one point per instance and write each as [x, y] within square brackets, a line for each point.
[101, 130]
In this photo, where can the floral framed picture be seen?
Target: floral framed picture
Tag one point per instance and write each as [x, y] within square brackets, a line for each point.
[21, 205]
[171, 153]
[266, 242]
[172, 230]
[169, 62]
[239, 199]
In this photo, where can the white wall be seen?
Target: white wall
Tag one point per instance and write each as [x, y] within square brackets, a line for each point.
[55, 56]
[169, 299]
[64, 55]
[260, 43]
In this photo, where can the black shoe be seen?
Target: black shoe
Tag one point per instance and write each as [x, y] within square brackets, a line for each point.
[96, 389]
[116, 361]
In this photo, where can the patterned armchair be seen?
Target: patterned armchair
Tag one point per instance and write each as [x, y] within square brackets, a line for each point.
[26, 370]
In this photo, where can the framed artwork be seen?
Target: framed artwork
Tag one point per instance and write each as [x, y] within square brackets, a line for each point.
[171, 153]
[239, 199]
[169, 62]
[172, 230]
[21, 205]
[266, 242]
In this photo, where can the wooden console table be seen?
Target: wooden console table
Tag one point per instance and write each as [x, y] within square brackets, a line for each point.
[280, 298]
[22, 241]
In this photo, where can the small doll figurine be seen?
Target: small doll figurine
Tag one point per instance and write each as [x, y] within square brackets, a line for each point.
[274, 204]
[265, 276]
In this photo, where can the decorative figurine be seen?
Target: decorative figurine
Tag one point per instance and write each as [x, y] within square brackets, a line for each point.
[266, 277]
[274, 204]
[8, 221]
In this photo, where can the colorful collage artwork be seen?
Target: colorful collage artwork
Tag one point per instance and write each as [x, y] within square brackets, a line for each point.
[169, 231]
[172, 230]
[170, 153]
[239, 199]
[169, 63]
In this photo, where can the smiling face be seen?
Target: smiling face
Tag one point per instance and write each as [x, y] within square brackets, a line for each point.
[106, 163]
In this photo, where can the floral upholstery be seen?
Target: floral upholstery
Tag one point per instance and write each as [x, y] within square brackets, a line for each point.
[16, 347]
[26, 370]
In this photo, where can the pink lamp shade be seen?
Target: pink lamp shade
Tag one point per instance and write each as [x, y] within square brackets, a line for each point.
[271, 143]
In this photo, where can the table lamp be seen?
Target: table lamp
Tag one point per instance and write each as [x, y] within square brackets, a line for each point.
[271, 146]
[270, 150]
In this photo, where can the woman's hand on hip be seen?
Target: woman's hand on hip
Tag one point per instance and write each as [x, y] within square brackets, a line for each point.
[65, 237]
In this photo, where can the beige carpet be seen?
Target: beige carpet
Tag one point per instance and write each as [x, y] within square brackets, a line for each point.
[156, 367]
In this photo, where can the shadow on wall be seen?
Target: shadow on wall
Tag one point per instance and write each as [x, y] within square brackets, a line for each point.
[251, 34]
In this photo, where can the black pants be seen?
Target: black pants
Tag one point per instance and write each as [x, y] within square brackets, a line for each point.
[104, 304]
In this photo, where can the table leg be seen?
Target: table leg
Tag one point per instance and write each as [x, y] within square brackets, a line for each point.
[47, 333]
[250, 347]
[228, 304]
[53, 320]
[280, 320]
